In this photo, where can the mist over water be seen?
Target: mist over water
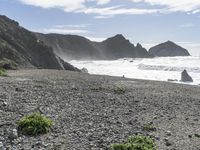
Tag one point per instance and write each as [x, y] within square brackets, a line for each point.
[160, 68]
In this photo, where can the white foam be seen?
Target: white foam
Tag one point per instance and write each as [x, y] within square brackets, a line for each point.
[161, 69]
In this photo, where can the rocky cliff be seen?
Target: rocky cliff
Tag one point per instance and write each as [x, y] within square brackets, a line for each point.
[21, 48]
[77, 47]
[168, 49]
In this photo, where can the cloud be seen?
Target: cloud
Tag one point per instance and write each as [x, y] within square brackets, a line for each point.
[101, 2]
[73, 26]
[187, 25]
[174, 5]
[96, 39]
[67, 5]
[67, 29]
[100, 10]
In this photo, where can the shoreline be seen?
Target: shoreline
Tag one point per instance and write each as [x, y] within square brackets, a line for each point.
[89, 113]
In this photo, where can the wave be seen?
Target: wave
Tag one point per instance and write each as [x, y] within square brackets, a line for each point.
[168, 68]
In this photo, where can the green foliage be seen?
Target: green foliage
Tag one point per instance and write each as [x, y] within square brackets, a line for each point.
[138, 142]
[119, 90]
[197, 135]
[34, 124]
[3, 72]
[149, 128]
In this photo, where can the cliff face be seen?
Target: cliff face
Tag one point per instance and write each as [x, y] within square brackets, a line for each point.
[168, 49]
[71, 46]
[119, 47]
[77, 47]
[22, 49]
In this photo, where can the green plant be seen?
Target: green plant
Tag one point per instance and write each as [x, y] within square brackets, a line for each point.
[34, 124]
[197, 135]
[119, 90]
[138, 142]
[3, 72]
[149, 128]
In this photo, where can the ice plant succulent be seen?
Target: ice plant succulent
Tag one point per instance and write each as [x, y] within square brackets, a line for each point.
[34, 124]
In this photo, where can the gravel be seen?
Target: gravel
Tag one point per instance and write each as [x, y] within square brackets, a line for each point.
[88, 113]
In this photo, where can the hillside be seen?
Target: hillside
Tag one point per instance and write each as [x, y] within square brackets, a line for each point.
[77, 47]
[21, 49]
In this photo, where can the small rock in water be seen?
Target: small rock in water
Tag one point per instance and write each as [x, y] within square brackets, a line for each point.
[185, 77]
[84, 70]
[172, 80]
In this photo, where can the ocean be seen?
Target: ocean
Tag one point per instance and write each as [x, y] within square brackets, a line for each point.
[160, 68]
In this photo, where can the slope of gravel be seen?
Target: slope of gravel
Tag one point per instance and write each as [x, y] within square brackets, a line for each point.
[88, 114]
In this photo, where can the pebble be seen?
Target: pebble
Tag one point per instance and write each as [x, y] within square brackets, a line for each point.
[168, 133]
[168, 144]
[1, 145]
[5, 104]
[13, 134]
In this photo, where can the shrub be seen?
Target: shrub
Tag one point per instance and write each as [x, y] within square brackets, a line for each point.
[34, 124]
[3, 72]
[197, 135]
[119, 90]
[138, 142]
[149, 128]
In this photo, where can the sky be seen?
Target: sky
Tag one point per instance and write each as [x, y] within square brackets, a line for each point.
[148, 22]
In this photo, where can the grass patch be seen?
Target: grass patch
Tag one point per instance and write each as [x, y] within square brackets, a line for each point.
[34, 124]
[149, 128]
[3, 72]
[119, 90]
[138, 142]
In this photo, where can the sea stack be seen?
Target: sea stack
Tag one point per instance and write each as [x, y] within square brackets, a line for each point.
[168, 49]
[185, 77]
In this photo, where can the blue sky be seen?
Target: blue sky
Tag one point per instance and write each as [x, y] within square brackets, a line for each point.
[148, 22]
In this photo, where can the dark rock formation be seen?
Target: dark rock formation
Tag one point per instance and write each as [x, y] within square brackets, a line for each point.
[119, 47]
[185, 77]
[71, 46]
[77, 47]
[168, 49]
[21, 49]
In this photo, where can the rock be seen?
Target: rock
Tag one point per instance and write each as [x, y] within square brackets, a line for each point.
[1, 145]
[172, 80]
[168, 143]
[185, 77]
[7, 66]
[73, 47]
[26, 52]
[168, 133]
[84, 70]
[4, 104]
[13, 134]
[168, 49]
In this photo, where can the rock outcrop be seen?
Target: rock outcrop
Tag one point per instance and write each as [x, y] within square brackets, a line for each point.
[185, 77]
[77, 47]
[20, 48]
[168, 49]
[119, 47]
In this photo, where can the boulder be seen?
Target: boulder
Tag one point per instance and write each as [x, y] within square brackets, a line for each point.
[84, 70]
[185, 77]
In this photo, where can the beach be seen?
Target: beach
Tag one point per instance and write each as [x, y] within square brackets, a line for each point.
[91, 112]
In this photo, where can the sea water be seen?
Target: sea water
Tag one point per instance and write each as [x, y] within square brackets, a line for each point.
[159, 68]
